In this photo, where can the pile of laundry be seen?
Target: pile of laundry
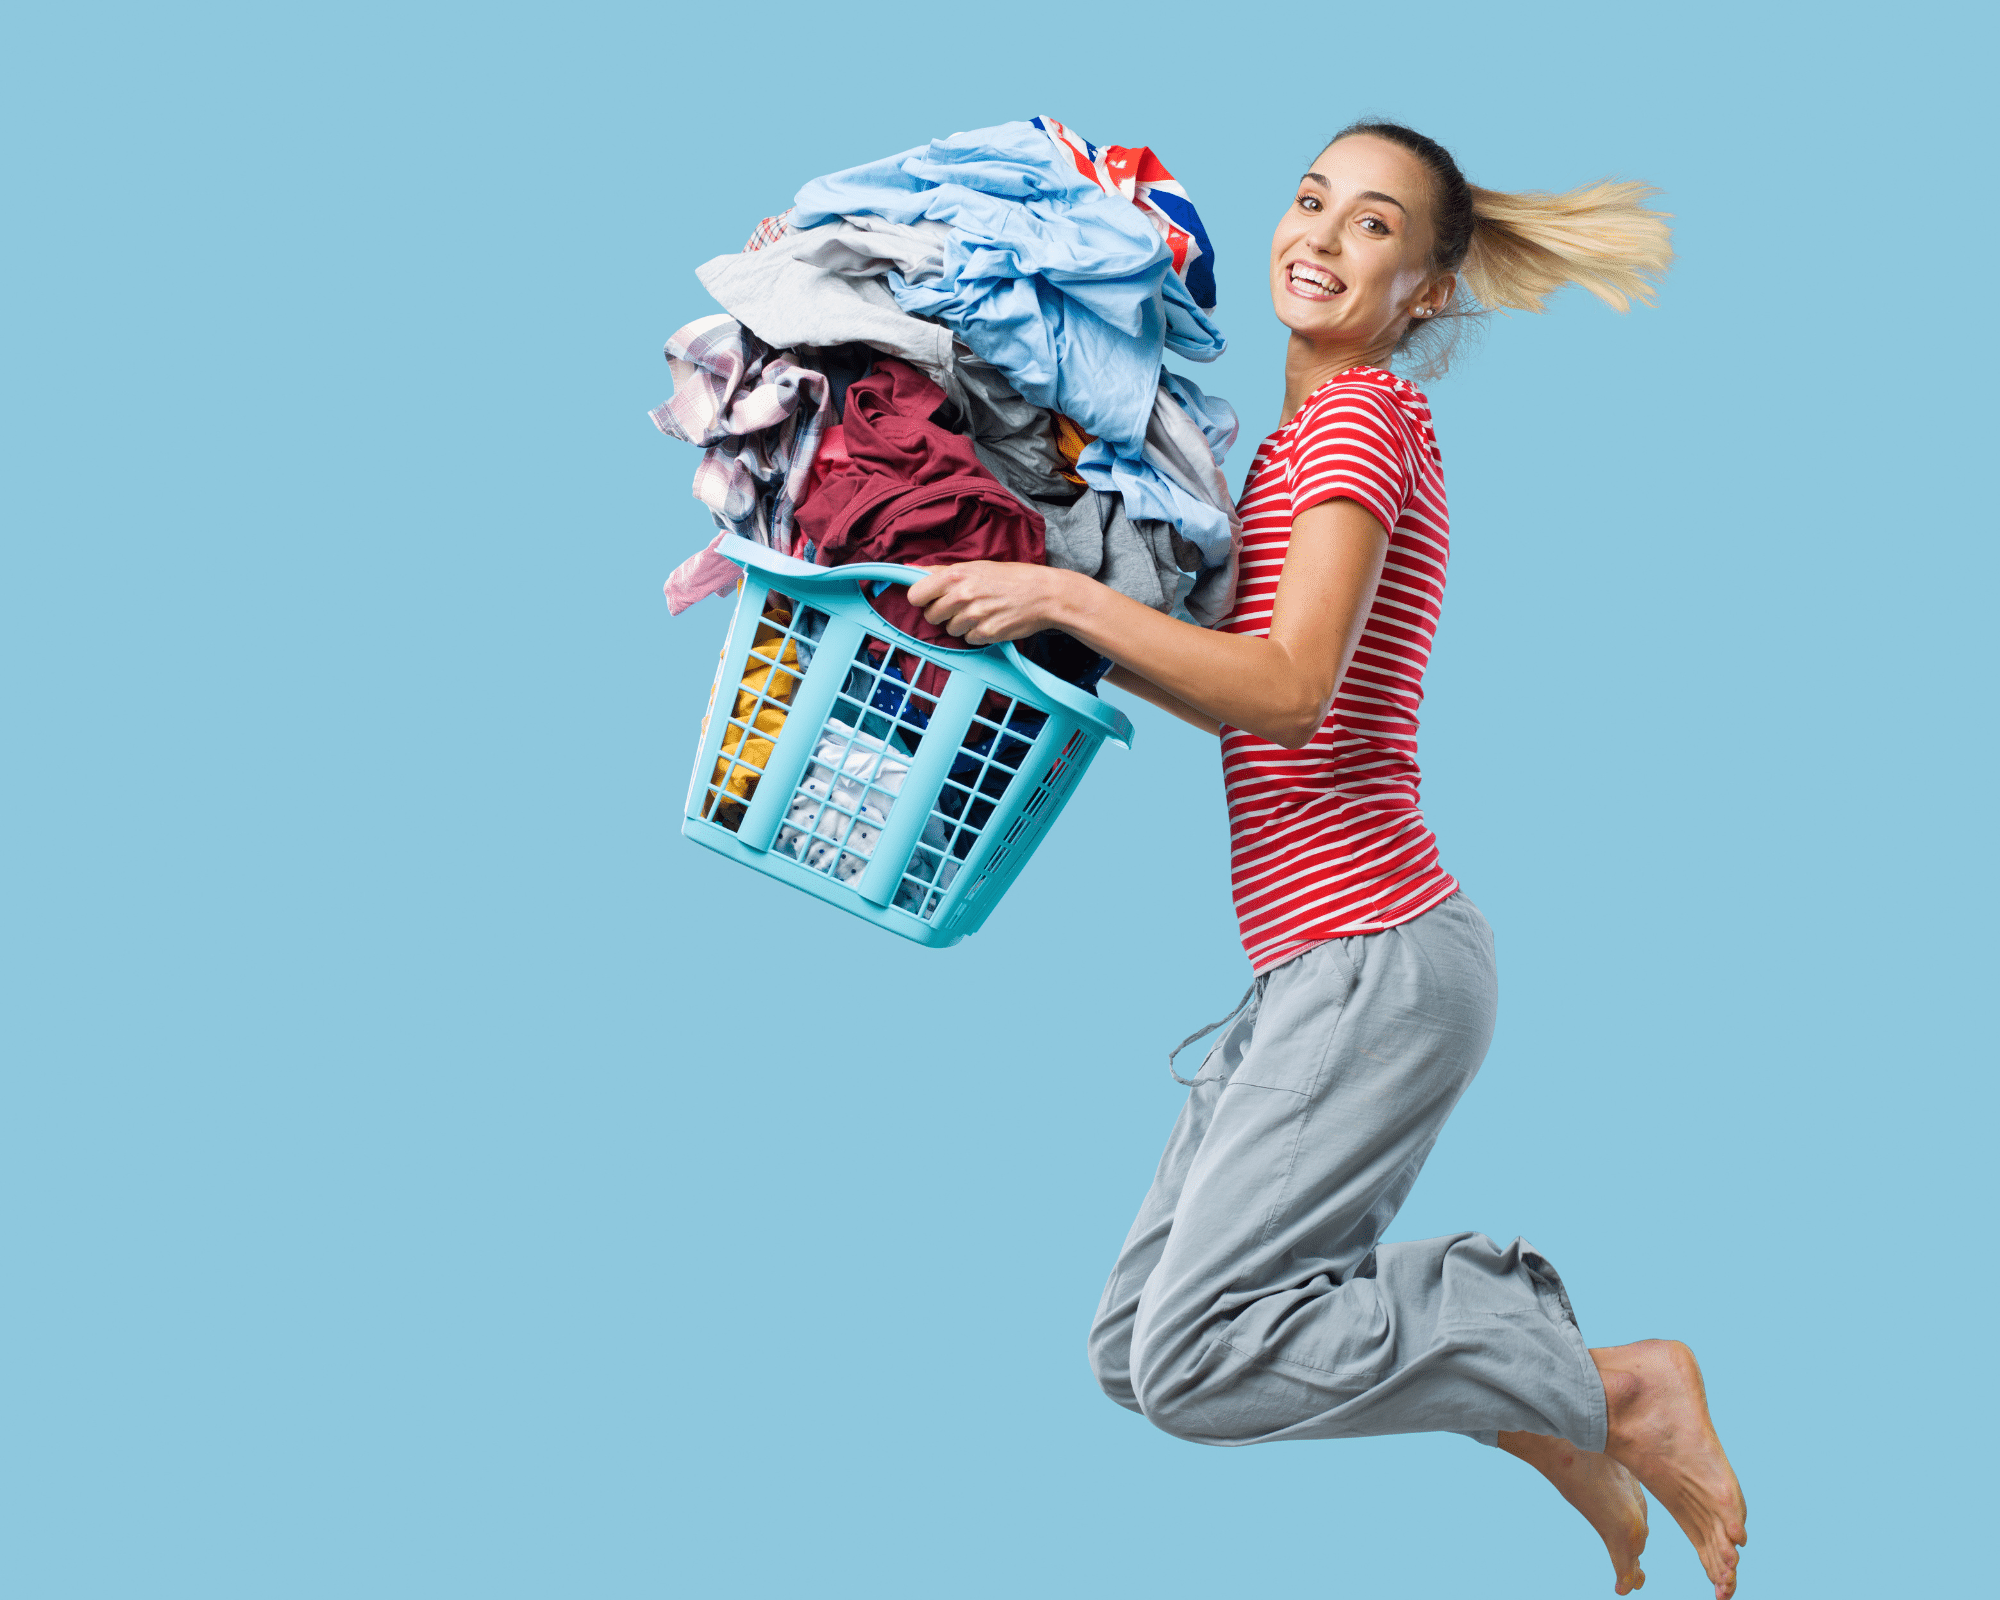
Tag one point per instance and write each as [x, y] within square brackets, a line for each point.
[956, 354]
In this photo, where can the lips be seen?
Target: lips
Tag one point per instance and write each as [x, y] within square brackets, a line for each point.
[1312, 283]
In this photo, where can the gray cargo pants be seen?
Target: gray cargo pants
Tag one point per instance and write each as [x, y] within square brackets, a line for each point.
[1254, 1300]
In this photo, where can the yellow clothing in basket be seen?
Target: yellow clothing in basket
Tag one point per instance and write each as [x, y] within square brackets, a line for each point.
[758, 718]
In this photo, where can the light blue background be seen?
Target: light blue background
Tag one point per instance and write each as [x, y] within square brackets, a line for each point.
[424, 1174]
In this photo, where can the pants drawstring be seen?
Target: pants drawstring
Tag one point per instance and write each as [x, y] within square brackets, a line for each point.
[1220, 1022]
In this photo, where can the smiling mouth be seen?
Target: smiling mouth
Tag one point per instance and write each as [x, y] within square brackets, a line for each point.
[1312, 283]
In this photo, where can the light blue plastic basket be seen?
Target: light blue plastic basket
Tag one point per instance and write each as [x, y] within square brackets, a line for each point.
[832, 761]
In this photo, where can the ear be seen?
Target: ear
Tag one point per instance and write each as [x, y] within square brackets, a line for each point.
[1433, 297]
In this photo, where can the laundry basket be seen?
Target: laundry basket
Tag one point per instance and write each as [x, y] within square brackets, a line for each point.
[897, 780]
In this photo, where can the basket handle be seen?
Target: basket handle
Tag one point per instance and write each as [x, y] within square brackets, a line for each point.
[747, 553]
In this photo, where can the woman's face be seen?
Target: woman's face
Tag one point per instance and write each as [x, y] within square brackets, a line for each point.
[1348, 262]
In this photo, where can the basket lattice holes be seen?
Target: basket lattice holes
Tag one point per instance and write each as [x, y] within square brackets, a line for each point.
[861, 756]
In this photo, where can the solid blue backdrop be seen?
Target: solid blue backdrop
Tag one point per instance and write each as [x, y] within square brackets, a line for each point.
[425, 1174]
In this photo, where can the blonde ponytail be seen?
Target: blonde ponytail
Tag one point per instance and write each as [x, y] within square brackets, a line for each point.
[1526, 246]
[1512, 251]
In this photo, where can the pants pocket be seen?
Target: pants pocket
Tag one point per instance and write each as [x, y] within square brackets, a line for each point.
[1302, 1004]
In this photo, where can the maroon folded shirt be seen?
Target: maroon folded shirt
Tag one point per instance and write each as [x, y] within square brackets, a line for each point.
[898, 487]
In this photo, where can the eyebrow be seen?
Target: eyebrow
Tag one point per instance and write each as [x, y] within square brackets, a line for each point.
[1365, 194]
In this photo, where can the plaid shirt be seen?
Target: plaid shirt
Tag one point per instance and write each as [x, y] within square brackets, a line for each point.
[758, 416]
[769, 231]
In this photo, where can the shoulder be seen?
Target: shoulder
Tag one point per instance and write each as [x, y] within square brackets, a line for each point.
[1367, 404]
[1366, 396]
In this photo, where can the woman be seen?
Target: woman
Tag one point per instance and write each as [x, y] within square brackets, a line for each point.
[1253, 1299]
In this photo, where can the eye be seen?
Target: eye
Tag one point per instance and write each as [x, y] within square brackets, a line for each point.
[1380, 228]
[1309, 202]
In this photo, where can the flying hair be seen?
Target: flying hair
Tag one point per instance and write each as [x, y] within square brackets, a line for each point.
[1601, 237]
[1512, 251]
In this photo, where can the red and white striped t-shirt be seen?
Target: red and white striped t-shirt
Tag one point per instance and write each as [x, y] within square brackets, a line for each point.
[1328, 841]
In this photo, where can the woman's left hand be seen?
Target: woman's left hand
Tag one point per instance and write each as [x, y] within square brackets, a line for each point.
[984, 602]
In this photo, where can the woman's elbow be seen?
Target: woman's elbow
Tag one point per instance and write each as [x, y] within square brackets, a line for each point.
[1293, 729]
[1295, 707]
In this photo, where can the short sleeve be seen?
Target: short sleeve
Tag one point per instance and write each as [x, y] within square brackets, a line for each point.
[1352, 447]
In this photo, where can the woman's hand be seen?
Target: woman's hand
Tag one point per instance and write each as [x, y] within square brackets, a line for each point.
[984, 602]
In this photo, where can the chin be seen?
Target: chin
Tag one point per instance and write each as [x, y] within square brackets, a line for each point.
[1293, 315]
[1306, 325]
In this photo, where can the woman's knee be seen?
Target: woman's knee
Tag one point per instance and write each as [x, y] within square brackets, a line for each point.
[1197, 1401]
[1190, 1414]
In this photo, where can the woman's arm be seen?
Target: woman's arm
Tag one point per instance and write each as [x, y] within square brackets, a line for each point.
[1153, 694]
[1278, 688]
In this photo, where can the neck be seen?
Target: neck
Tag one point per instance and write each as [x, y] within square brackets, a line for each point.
[1308, 365]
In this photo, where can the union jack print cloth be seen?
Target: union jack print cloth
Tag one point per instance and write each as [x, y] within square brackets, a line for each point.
[1141, 177]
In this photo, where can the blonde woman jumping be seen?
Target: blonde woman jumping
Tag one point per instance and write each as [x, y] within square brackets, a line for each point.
[1255, 1298]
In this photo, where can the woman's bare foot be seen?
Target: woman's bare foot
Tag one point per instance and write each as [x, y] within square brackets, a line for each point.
[1660, 1430]
[1608, 1496]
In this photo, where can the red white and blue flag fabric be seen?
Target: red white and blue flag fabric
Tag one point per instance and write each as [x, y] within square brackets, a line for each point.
[1141, 177]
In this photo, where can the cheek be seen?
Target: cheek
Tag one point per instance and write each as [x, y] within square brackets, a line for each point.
[1386, 278]
[1409, 279]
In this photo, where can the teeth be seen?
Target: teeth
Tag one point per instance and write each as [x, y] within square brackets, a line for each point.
[1319, 280]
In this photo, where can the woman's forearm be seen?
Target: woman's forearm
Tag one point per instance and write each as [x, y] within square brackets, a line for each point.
[1276, 684]
[1153, 694]
[1246, 682]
